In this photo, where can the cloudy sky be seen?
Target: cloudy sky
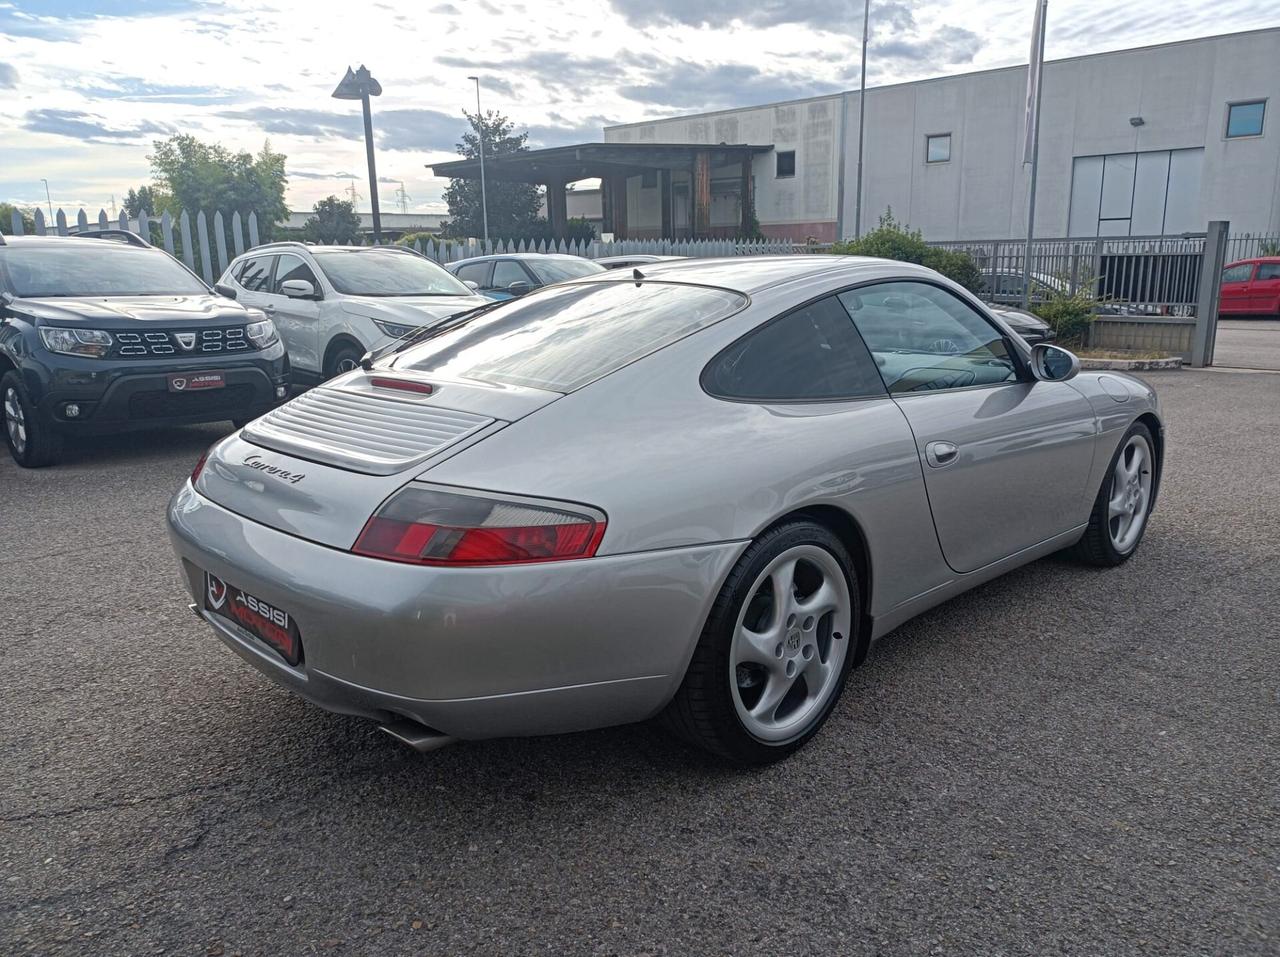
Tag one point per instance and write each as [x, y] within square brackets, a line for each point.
[87, 85]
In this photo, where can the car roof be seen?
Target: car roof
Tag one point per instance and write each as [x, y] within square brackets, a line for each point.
[62, 240]
[538, 256]
[1253, 259]
[749, 274]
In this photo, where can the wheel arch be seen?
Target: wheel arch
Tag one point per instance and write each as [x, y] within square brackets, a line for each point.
[1156, 428]
[846, 528]
[337, 342]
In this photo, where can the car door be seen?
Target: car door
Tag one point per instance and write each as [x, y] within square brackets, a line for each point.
[1006, 458]
[1233, 299]
[298, 320]
[506, 272]
[1264, 290]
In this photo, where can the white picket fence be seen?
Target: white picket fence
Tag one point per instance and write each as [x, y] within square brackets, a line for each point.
[193, 244]
[202, 242]
[444, 251]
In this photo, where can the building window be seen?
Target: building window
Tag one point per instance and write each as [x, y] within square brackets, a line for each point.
[786, 163]
[649, 179]
[937, 148]
[1245, 119]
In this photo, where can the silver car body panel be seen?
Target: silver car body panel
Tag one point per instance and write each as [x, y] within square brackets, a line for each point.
[686, 480]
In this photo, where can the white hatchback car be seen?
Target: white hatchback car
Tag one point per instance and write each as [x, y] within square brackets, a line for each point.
[332, 304]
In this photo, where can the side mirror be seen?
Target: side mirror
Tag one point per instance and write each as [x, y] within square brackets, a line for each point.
[519, 287]
[1053, 363]
[222, 289]
[471, 284]
[298, 289]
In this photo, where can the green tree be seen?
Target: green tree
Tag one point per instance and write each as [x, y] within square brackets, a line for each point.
[513, 207]
[894, 240]
[335, 221]
[203, 176]
[149, 200]
[6, 219]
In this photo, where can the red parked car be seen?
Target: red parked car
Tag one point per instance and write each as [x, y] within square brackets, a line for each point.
[1251, 287]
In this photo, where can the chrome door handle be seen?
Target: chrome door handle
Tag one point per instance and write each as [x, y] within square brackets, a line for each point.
[941, 454]
[269, 307]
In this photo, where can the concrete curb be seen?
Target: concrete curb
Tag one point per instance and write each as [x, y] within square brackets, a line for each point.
[1132, 365]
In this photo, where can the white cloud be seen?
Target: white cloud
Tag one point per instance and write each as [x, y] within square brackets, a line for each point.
[85, 105]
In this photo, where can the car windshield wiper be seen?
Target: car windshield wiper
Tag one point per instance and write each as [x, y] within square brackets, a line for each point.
[423, 333]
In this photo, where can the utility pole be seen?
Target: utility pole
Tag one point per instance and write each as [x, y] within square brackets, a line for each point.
[1035, 86]
[484, 200]
[862, 121]
[47, 199]
[402, 198]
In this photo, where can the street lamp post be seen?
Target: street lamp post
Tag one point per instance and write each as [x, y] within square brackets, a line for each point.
[360, 85]
[47, 199]
[484, 200]
[862, 122]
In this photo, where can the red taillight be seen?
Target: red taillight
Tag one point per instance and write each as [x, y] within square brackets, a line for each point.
[199, 467]
[425, 526]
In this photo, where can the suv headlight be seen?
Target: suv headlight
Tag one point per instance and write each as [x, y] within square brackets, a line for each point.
[76, 342]
[396, 330]
[261, 333]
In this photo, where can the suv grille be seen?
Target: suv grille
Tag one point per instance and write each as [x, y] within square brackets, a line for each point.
[181, 342]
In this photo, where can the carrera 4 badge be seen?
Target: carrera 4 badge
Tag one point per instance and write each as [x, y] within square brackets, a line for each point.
[256, 462]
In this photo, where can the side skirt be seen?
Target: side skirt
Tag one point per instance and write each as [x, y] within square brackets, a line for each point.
[908, 609]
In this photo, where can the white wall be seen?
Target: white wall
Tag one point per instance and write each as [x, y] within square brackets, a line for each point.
[1181, 91]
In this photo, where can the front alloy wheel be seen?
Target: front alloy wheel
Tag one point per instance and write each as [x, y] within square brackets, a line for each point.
[32, 444]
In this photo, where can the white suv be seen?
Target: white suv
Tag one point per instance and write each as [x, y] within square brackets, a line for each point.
[332, 304]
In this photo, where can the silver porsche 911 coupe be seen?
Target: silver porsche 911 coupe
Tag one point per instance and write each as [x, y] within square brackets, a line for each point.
[698, 490]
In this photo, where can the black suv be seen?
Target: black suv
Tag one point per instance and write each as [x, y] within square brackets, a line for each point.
[101, 333]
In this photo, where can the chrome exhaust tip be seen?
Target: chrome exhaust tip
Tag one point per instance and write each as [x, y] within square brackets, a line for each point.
[417, 736]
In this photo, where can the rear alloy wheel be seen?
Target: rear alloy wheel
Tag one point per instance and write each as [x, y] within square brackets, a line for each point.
[775, 652]
[31, 444]
[1124, 502]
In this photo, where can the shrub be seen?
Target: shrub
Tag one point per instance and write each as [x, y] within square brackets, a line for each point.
[408, 239]
[1070, 314]
[893, 240]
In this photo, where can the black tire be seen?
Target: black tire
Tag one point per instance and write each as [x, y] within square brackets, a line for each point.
[702, 711]
[42, 446]
[1095, 546]
[343, 354]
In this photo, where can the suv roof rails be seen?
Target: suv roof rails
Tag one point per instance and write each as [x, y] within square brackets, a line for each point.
[132, 238]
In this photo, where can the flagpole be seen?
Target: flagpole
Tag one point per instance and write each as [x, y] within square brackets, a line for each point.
[1034, 119]
[862, 122]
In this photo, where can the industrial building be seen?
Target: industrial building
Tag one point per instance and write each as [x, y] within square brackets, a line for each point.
[1150, 141]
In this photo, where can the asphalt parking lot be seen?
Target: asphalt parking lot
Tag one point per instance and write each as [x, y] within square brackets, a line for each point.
[1248, 344]
[1063, 761]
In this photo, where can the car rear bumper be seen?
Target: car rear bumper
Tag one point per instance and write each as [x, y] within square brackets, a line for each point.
[472, 653]
[134, 395]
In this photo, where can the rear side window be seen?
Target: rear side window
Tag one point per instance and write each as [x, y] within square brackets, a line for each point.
[255, 273]
[811, 354]
[563, 337]
[1269, 271]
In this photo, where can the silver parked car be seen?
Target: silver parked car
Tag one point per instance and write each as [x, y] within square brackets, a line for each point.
[700, 495]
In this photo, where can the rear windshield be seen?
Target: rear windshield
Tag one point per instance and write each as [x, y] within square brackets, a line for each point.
[563, 337]
[94, 267]
[377, 273]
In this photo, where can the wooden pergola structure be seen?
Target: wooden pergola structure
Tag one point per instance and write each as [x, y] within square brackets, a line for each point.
[614, 164]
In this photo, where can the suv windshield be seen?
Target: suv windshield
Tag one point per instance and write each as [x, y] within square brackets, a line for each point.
[558, 270]
[94, 267]
[563, 337]
[373, 272]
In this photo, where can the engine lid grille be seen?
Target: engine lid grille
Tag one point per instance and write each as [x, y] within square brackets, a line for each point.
[374, 434]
